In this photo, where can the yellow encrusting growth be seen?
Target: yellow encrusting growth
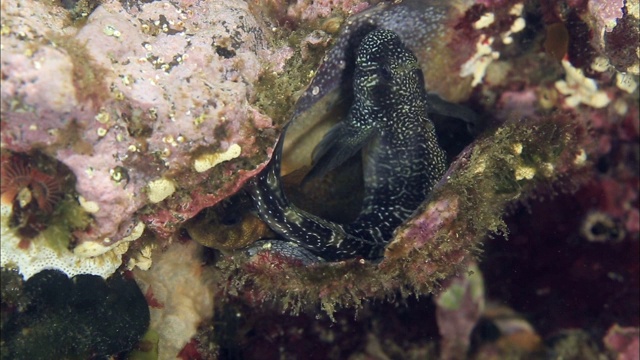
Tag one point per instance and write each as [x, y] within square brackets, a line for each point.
[88, 206]
[91, 249]
[206, 161]
[525, 172]
[160, 189]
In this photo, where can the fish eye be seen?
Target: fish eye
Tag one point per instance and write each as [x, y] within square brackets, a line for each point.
[385, 72]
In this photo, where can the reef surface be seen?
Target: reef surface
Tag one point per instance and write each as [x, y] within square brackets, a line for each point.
[122, 121]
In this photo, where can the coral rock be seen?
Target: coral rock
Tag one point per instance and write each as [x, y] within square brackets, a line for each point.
[135, 94]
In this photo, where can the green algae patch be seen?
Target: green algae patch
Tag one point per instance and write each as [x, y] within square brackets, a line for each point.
[276, 93]
[40, 192]
[147, 348]
[69, 217]
[496, 172]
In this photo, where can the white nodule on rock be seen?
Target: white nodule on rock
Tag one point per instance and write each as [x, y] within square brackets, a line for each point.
[547, 169]
[484, 21]
[517, 26]
[135, 233]
[160, 189]
[517, 148]
[625, 82]
[580, 89]
[525, 172]
[516, 9]
[102, 117]
[141, 258]
[478, 63]
[110, 30]
[206, 161]
[91, 249]
[91, 207]
[620, 107]
[581, 157]
[600, 64]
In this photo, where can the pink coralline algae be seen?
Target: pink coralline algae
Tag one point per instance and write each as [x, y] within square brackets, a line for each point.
[135, 95]
[623, 342]
[296, 13]
[313, 9]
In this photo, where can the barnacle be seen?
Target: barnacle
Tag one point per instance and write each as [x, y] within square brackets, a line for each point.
[45, 189]
[600, 227]
[15, 177]
[38, 223]
[22, 182]
[31, 193]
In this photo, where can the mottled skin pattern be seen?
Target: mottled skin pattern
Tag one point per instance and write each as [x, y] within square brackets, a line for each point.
[401, 160]
[416, 22]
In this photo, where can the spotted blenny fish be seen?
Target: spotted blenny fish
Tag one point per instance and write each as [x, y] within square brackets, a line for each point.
[402, 161]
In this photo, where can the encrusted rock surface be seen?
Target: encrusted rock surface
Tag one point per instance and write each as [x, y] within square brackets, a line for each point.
[157, 109]
[131, 98]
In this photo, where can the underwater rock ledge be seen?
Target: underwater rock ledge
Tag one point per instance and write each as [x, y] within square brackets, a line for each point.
[149, 106]
[137, 115]
[496, 172]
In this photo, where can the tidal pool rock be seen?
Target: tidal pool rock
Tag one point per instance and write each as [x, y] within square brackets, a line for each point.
[134, 93]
